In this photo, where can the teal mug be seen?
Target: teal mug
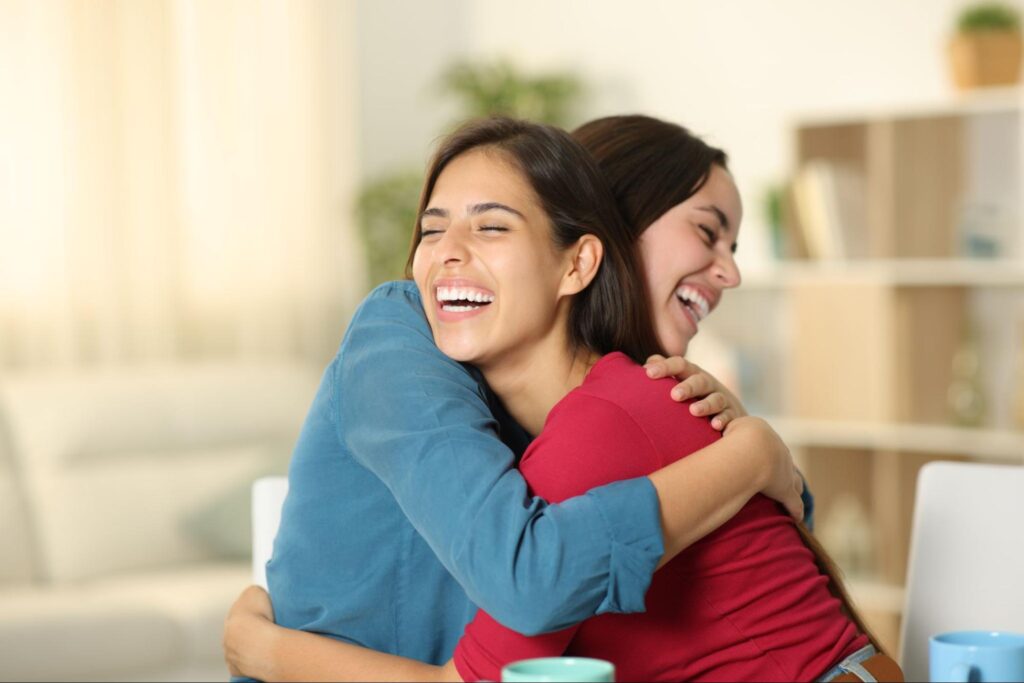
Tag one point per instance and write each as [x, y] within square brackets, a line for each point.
[980, 656]
[559, 669]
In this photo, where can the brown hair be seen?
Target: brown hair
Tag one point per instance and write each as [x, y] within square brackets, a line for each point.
[651, 166]
[827, 566]
[611, 314]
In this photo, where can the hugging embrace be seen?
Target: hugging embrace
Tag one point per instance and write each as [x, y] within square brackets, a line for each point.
[489, 471]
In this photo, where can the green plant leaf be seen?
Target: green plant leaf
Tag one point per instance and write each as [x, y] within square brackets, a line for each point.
[499, 89]
[386, 214]
[990, 16]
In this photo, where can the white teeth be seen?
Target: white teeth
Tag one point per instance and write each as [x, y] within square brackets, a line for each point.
[691, 295]
[463, 294]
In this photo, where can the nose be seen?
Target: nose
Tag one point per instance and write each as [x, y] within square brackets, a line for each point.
[451, 248]
[726, 272]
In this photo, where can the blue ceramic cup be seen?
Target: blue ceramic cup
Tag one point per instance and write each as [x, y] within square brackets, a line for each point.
[980, 656]
[559, 669]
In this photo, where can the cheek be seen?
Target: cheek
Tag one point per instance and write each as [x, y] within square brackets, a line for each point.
[670, 256]
[535, 267]
[421, 268]
[657, 264]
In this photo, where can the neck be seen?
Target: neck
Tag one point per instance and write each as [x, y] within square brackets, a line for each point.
[531, 381]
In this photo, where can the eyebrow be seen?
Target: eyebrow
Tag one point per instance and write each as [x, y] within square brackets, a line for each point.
[475, 210]
[711, 208]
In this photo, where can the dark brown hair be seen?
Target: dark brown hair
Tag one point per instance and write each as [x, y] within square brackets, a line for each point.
[650, 165]
[612, 314]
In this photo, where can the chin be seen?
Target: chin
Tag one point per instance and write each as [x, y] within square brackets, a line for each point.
[459, 351]
[676, 345]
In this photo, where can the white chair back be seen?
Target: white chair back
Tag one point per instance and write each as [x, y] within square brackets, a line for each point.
[966, 567]
[268, 494]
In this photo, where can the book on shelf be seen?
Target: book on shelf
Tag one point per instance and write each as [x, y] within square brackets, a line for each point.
[827, 211]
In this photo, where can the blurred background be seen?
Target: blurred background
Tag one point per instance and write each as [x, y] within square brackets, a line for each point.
[194, 196]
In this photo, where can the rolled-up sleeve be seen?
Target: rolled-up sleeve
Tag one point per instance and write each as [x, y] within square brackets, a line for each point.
[420, 422]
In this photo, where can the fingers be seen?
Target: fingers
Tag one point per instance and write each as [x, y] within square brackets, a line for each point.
[796, 510]
[711, 404]
[659, 366]
[721, 421]
[695, 386]
[254, 600]
[795, 507]
[250, 595]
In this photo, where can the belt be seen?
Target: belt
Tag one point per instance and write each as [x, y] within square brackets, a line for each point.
[866, 665]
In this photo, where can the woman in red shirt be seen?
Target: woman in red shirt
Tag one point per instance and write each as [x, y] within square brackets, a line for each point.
[528, 272]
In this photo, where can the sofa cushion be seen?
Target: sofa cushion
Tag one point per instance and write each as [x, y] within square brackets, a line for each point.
[57, 418]
[15, 531]
[114, 461]
[63, 634]
[196, 598]
[136, 512]
[224, 523]
[17, 565]
[118, 626]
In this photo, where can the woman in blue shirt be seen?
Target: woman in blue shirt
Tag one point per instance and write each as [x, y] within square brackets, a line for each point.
[405, 510]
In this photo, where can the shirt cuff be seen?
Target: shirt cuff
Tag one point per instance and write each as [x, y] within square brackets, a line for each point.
[632, 516]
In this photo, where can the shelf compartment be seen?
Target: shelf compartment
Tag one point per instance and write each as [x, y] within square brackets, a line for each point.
[889, 272]
[980, 444]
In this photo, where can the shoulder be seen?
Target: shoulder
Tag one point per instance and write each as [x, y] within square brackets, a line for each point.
[394, 393]
[388, 344]
[617, 425]
[396, 304]
[587, 441]
[390, 319]
[592, 436]
[617, 380]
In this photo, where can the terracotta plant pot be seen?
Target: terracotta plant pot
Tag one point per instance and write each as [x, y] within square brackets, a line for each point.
[985, 58]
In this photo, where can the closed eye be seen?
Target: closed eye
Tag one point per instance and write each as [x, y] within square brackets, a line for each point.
[493, 228]
[711, 234]
[429, 232]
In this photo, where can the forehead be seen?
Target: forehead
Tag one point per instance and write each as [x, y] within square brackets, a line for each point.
[482, 174]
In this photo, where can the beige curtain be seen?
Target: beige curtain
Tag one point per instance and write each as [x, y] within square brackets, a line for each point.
[176, 179]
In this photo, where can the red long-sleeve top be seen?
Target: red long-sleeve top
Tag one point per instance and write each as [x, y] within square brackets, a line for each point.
[747, 602]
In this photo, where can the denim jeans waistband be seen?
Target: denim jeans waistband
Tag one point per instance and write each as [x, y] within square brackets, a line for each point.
[852, 665]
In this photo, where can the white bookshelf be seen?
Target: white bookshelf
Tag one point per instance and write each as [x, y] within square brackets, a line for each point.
[888, 272]
[982, 444]
[970, 103]
[858, 355]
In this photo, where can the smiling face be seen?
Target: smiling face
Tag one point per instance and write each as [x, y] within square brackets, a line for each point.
[687, 255]
[489, 273]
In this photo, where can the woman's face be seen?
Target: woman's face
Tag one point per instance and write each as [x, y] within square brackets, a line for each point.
[687, 254]
[486, 266]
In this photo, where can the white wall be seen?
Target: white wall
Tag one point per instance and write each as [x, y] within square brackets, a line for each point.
[736, 71]
[402, 47]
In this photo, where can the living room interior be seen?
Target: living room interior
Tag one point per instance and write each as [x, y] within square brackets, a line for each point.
[196, 195]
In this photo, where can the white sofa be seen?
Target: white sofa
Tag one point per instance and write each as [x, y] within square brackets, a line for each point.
[124, 512]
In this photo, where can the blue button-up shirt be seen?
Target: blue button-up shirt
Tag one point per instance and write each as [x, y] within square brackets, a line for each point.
[405, 509]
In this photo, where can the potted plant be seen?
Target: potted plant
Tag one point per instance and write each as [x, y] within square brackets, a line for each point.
[986, 49]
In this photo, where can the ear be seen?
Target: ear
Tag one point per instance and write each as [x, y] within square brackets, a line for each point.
[586, 257]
